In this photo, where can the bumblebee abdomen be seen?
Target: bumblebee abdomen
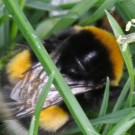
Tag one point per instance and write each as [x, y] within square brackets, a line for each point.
[18, 65]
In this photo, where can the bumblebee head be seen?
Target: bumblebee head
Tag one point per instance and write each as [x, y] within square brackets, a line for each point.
[91, 54]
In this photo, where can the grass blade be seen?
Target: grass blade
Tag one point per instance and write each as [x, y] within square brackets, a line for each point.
[4, 27]
[47, 24]
[123, 129]
[128, 120]
[111, 118]
[35, 119]
[14, 28]
[41, 5]
[99, 12]
[74, 14]
[126, 55]
[127, 14]
[122, 96]
[119, 102]
[105, 99]
[104, 102]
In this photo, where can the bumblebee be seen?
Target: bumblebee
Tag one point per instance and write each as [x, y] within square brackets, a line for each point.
[85, 56]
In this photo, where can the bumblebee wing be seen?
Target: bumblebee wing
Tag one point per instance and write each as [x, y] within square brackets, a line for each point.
[78, 88]
[27, 90]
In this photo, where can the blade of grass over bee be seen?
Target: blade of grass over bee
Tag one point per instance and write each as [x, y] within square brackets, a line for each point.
[35, 120]
[105, 99]
[126, 55]
[119, 102]
[122, 96]
[74, 14]
[61, 85]
[104, 105]
[99, 12]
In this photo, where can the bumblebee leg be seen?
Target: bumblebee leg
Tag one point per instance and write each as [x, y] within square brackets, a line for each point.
[53, 118]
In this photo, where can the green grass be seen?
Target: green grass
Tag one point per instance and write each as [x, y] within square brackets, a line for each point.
[15, 28]
[40, 102]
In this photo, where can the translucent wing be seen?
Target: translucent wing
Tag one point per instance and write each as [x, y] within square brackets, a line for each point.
[27, 90]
